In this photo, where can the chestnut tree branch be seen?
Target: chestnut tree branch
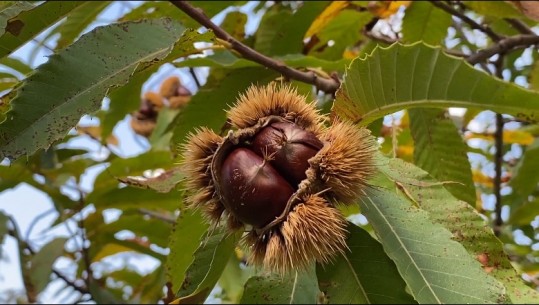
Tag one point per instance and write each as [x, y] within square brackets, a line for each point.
[504, 46]
[328, 85]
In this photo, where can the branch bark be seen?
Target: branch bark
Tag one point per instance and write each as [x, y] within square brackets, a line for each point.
[328, 85]
[503, 46]
[474, 25]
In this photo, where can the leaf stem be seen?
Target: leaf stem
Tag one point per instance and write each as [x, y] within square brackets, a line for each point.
[328, 85]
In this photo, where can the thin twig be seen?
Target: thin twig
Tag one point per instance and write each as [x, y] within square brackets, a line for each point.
[84, 248]
[328, 85]
[503, 46]
[519, 26]
[15, 233]
[474, 25]
[194, 75]
[498, 157]
[157, 215]
[498, 160]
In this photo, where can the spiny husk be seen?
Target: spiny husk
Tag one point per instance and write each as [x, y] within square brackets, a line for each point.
[197, 156]
[169, 86]
[283, 101]
[347, 162]
[142, 127]
[154, 99]
[312, 231]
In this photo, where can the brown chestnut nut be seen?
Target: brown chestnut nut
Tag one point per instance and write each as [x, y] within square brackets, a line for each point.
[253, 191]
[289, 147]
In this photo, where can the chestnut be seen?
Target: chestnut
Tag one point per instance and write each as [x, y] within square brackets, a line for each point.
[289, 148]
[253, 191]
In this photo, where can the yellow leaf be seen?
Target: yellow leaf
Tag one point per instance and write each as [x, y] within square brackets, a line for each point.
[384, 9]
[480, 178]
[404, 151]
[326, 16]
[350, 54]
[509, 137]
[95, 133]
[108, 250]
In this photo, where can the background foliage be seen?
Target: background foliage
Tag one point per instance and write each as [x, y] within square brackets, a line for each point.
[453, 214]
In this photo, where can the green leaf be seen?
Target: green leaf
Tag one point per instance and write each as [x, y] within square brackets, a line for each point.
[10, 9]
[533, 77]
[108, 55]
[159, 9]
[498, 9]
[467, 226]
[440, 150]
[281, 32]
[156, 230]
[233, 279]
[184, 241]
[299, 287]
[129, 197]
[161, 135]
[423, 21]
[206, 108]
[126, 99]
[210, 260]
[162, 183]
[77, 21]
[26, 25]
[436, 268]
[525, 175]
[234, 24]
[16, 65]
[120, 168]
[344, 30]
[42, 262]
[364, 275]
[227, 59]
[3, 230]
[525, 213]
[399, 77]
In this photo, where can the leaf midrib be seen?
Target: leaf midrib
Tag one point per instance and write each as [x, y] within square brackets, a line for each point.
[438, 103]
[405, 250]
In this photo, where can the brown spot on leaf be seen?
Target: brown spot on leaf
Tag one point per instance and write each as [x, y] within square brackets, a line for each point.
[14, 27]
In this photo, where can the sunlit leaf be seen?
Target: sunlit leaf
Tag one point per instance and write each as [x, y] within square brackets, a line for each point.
[364, 275]
[390, 79]
[65, 96]
[509, 137]
[384, 9]
[424, 21]
[77, 20]
[332, 10]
